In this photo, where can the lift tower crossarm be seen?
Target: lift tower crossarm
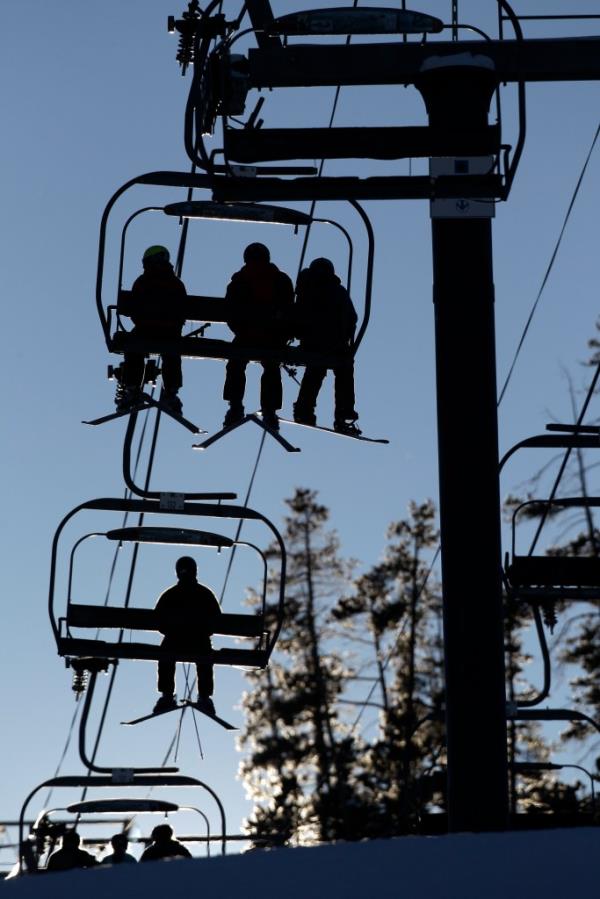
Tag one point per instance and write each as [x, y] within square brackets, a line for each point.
[547, 59]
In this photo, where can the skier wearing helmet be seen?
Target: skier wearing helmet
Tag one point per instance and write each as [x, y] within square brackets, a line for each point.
[157, 310]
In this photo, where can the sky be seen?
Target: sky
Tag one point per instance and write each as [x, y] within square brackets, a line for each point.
[92, 98]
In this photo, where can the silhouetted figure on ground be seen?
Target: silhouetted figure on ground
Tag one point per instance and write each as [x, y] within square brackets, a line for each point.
[164, 846]
[119, 855]
[157, 310]
[325, 320]
[187, 613]
[70, 855]
[260, 302]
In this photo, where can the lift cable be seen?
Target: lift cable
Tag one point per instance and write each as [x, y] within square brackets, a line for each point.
[550, 265]
[178, 270]
[106, 601]
[130, 580]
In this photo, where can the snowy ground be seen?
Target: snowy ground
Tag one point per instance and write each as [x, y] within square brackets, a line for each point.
[559, 863]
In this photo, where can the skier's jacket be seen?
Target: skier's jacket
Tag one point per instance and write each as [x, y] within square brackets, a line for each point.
[324, 315]
[158, 301]
[187, 612]
[165, 849]
[260, 300]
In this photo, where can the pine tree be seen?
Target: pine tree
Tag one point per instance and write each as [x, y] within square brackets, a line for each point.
[397, 602]
[300, 759]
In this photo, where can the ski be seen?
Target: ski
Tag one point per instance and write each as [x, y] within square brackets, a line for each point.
[179, 708]
[300, 424]
[256, 418]
[147, 402]
[221, 721]
[175, 708]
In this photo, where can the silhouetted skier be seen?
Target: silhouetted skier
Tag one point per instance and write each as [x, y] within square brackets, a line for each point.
[164, 846]
[187, 613]
[325, 320]
[119, 855]
[70, 855]
[157, 310]
[260, 300]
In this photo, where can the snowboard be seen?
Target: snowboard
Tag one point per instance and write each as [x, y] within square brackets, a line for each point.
[300, 424]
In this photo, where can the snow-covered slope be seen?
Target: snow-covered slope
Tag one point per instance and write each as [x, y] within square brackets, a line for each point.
[548, 864]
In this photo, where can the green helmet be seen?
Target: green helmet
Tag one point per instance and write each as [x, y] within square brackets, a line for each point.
[156, 253]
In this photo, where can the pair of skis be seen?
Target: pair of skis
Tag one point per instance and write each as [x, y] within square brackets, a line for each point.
[178, 707]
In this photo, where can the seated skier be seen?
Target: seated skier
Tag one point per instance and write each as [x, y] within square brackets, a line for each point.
[119, 855]
[325, 320]
[70, 855]
[158, 310]
[260, 300]
[188, 614]
[163, 846]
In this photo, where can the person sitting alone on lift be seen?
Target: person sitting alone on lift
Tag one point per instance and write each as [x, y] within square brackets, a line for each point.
[70, 855]
[187, 614]
[325, 320]
[260, 301]
[163, 846]
[157, 310]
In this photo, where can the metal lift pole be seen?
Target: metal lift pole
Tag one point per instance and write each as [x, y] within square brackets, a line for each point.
[459, 94]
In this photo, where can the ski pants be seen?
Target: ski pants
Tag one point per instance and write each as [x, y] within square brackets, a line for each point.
[312, 381]
[271, 391]
[166, 667]
[133, 369]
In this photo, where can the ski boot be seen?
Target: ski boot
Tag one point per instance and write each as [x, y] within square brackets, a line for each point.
[234, 415]
[205, 704]
[269, 417]
[127, 398]
[165, 703]
[171, 401]
[304, 416]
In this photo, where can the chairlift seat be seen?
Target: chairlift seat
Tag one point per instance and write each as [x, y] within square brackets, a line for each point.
[208, 309]
[263, 144]
[90, 616]
[554, 571]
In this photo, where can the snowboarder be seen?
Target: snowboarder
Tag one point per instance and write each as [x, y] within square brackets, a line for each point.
[70, 855]
[119, 855]
[187, 614]
[158, 310]
[260, 301]
[325, 320]
[164, 846]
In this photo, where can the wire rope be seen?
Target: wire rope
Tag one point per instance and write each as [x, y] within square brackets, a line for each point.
[550, 265]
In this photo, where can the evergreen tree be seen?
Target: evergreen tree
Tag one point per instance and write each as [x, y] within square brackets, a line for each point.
[397, 602]
[298, 770]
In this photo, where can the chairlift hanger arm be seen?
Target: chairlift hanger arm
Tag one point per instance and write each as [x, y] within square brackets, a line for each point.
[156, 494]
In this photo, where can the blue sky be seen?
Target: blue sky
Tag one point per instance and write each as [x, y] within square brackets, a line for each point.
[94, 98]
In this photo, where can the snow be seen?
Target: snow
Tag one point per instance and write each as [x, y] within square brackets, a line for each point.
[553, 863]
